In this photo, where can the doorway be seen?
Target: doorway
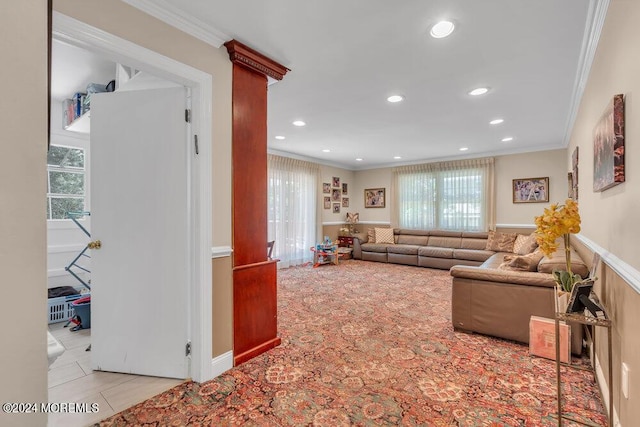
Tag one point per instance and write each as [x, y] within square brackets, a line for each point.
[199, 247]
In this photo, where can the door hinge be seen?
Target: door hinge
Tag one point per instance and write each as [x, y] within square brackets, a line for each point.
[187, 350]
[195, 140]
[187, 115]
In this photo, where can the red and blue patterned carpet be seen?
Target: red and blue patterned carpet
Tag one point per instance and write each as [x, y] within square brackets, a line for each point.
[372, 344]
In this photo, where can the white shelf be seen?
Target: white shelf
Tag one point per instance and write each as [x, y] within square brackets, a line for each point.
[81, 124]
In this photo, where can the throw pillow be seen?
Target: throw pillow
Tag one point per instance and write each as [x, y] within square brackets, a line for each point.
[525, 244]
[527, 262]
[384, 235]
[371, 235]
[500, 242]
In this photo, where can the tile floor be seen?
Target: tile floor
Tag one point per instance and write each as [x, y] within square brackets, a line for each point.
[72, 380]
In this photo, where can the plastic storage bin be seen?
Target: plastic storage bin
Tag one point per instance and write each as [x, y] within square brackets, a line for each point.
[82, 308]
[60, 309]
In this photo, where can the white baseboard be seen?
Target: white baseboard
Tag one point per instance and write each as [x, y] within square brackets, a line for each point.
[221, 364]
[604, 389]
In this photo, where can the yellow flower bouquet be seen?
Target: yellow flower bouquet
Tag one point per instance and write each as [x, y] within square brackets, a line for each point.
[559, 221]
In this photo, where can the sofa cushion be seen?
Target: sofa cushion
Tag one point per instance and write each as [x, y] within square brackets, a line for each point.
[435, 252]
[411, 232]
[374, 247]
[384, 235]
[526, 278]
[473, 243]
[472, 254]
[403, 249]
[445, 233]
[527, 262]
[476, 234]
[444, 241]
[525, 244]
[557, 261]
[371, 235]
[405, 239]
[500, 242]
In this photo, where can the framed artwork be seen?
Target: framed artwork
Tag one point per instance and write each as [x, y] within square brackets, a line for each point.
[345, 202]
[335, 195]
[336, 208]
[327, 202]
[336, 182]
[374, 198]
[345, 188]
[608, 146]
[570, 192]
[574, 174]
[326, 188]
[531, 190]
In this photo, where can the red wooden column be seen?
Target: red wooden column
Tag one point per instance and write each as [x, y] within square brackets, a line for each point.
[255, 322]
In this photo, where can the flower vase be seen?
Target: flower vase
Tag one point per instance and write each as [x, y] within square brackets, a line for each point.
[562, 300]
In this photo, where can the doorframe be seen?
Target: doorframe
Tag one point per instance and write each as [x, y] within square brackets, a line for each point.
[199, 322]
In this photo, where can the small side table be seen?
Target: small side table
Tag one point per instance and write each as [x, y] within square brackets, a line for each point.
[585, 320]
[345, 241]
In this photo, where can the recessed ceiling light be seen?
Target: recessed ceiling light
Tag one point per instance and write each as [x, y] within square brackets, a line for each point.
[496, 121]
[442, 29]
[326, 150]
[279, 137]
[464, 148]
[397, 157]
[358, 159]
[395, 98]
[479, 91]
[299, 123]
[507, 139]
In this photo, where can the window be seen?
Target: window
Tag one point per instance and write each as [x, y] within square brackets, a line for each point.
[292, 209]
[65, 181]
[447, 196]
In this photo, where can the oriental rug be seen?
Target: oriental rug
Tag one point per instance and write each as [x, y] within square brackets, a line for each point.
[369, 344]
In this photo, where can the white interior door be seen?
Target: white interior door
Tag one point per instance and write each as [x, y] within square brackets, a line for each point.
[139, 212]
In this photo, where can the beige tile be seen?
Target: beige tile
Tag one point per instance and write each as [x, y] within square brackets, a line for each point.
[82, 419]
[135, 391]
[69, 339]
[65, 373]
[89, 385]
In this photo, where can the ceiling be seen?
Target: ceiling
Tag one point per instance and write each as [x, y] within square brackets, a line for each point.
[347, 57]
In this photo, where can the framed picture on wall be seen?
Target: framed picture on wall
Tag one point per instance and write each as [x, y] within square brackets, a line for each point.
[345, 202]
[574, 174]
[531, 190]
[374, 198]
[336, 208]
[327, 202]
[336, 182]
[335, 195]
[326, 188]
[345, 188]
[608, 146]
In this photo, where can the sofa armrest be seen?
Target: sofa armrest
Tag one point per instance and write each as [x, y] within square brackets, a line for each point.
[358, 239]
[503, 276]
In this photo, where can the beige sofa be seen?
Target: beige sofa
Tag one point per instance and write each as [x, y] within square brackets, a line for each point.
[426, 248]
[486, 298]
[498, 302]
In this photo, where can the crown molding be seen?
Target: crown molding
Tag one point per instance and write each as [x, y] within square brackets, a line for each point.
[177, 18]
[243, 55]
[595, 22]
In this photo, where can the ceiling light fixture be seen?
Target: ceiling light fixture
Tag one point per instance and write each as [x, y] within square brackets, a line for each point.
[464, 148]
[397, 157]
[279, 137]
[395, 98]
[326, 150]
[479, 91]
[496, 121]
[507, 139]
[442, 29]
[299, 123]
[359, 159]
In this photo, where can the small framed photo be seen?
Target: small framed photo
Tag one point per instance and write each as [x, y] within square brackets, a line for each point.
[336, 182]
[327, 202]
[336, 208]
[374, 198]
[345, 202]
[335, 195]
[326, 188]
[531, 190]
[345, 188]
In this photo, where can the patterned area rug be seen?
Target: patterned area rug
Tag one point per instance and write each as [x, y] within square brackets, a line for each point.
[372, 344]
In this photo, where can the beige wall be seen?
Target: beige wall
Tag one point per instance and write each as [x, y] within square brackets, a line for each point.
[129, 23]
[373, 178]
[23, 251]
[346, 176]
[609, 218]
[541, 164]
